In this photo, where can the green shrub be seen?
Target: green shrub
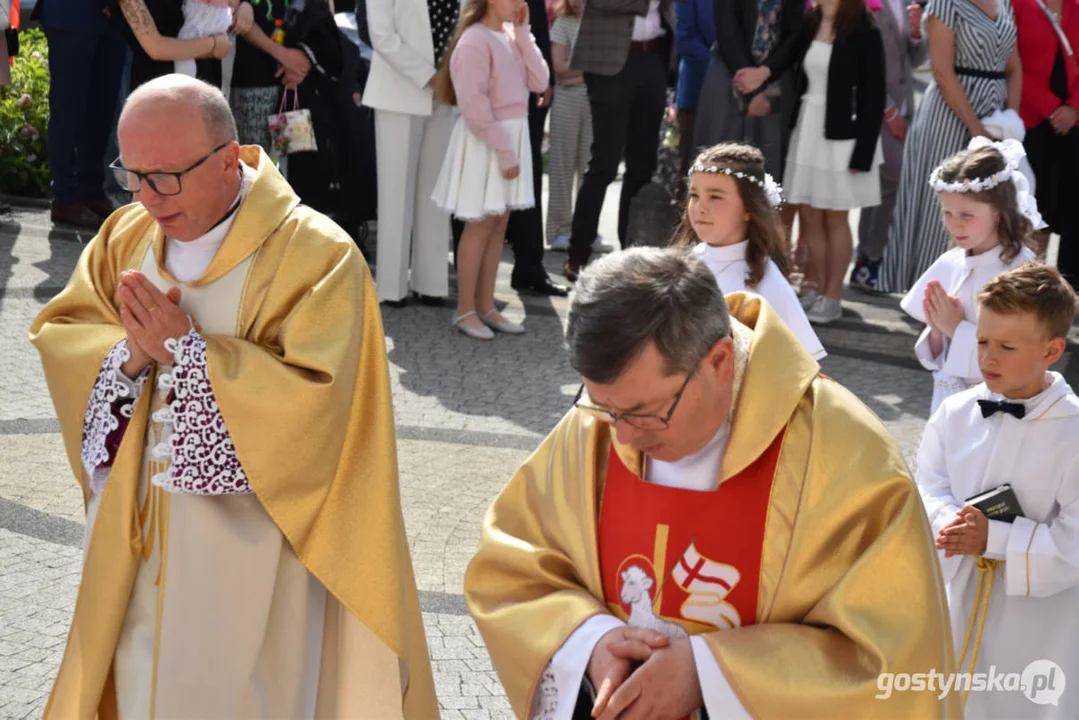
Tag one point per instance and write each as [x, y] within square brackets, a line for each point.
[24, 118]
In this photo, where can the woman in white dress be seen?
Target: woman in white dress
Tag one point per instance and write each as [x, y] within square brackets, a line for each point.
[835, 152]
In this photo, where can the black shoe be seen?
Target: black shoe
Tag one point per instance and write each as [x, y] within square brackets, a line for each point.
[396, 303]
[571, 269]
[542, 286]
[431, 300]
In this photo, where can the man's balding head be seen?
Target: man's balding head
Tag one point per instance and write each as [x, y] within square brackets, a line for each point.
[178, 125]
[180, 93]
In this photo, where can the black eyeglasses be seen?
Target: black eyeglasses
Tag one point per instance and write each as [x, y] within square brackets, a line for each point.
[641, 421]
[162, 183]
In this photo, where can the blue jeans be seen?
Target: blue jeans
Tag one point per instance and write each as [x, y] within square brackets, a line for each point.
[85, 69]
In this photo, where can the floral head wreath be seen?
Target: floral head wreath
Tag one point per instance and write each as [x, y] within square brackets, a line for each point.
[771, 187]
[1013, 153]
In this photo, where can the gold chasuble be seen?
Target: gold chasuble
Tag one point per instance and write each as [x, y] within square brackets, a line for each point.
[812, 572]
[325, 621]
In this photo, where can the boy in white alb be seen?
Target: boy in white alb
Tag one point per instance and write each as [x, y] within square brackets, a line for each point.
[1013, 587]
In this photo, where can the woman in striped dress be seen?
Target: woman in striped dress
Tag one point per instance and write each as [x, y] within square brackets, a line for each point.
[976, 72]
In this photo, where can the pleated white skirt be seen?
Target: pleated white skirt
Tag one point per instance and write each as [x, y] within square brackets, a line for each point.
[471, 186]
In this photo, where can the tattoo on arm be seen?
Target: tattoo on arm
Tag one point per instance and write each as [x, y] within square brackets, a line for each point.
[138, 17]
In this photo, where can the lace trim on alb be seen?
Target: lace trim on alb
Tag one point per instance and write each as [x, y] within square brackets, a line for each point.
[111, 397]
[545, 701]
[202, 458]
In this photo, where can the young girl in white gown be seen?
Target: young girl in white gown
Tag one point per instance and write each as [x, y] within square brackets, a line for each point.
[990, 214]
[732, 223]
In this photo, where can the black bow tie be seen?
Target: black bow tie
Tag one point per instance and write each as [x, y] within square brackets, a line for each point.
[1016, 410]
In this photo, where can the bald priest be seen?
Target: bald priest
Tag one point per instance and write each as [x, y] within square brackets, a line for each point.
[218, 366]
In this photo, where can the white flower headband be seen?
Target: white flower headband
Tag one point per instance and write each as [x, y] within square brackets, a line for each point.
[1013, 153]
[771, 187]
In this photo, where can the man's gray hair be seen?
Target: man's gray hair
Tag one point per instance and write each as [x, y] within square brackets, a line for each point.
[211, 102]
[639, 296]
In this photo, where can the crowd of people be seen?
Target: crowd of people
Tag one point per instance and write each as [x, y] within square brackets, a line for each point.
[714, 525]
[825, 91]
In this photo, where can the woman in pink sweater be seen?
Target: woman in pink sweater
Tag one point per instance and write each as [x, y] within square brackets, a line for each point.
[487, 172]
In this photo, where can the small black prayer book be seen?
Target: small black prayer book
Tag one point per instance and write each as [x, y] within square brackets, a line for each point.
[999, 503]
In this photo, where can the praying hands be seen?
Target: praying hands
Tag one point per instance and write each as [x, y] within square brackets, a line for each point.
[665, 687]
[967, 534]
[150, 317]
[943, 313]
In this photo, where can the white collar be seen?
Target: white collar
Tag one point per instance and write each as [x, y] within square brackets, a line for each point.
[187, 261]
[989, 257]
[721, 253]
[1038, 405]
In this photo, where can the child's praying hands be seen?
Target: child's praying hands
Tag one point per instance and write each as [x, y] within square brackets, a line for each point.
[943, 312]
[967, 534]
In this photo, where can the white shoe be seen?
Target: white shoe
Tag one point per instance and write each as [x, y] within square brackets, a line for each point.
[480, 333]
[602, 245]
[825, 310]
[808, 299]
[561, 242]
[503, 325]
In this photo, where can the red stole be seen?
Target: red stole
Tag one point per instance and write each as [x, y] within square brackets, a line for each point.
[683, 561]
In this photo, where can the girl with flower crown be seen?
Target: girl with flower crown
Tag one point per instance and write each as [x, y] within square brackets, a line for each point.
[988, 210]
[732, 222]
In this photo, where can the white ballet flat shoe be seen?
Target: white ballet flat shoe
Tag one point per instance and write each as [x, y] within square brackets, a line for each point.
[504, 326]
[480, 333]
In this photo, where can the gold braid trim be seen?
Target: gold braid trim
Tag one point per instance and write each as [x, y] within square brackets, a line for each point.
[986, 570]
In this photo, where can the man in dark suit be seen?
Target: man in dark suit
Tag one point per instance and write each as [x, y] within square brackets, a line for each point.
[86, 61]
[626, 50]
[525, 229]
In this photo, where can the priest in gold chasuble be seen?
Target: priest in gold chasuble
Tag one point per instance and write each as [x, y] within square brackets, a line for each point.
[714, 530]
[218, 367]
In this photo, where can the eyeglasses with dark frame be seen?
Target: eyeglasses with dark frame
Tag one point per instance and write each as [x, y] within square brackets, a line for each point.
[162, 183]
[641, 421]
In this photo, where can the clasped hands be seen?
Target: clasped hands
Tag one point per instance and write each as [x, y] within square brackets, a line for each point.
[748, 79]
[1064, 119]
[967, 534]
[943, 313]
[640, 674]
[149, 317]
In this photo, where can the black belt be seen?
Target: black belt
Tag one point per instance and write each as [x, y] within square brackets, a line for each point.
[974, 72]
[645, 45]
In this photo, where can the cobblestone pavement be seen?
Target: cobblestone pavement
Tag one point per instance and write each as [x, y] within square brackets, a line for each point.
[468, 413]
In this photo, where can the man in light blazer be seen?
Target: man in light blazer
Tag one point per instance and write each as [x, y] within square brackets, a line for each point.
[412, 132]
[626, 50]
[904, 50]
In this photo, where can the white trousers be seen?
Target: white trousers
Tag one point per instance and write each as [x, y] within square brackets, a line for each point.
[413, 232]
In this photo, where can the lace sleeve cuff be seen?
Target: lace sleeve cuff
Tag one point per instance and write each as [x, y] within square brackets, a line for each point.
[203, 460]
[112, 402]
[563, 678]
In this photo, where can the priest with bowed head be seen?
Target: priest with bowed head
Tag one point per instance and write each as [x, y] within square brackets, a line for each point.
[714, 525]
[218, 367]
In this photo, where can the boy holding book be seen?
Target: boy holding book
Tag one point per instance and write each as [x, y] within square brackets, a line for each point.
[998, 470]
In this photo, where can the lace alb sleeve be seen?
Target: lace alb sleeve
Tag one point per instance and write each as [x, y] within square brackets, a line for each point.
[564, 677]
[202, 458]
[545, 701]
[111, 405]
